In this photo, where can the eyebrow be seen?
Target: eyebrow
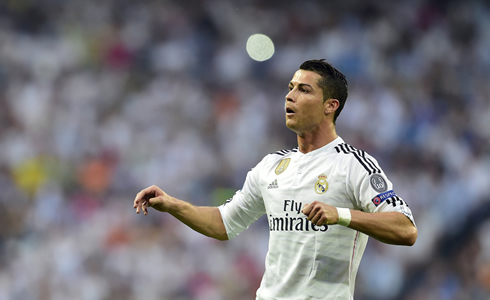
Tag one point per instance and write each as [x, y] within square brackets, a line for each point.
[300, 85]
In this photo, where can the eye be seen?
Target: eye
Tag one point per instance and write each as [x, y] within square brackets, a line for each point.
[303, 90]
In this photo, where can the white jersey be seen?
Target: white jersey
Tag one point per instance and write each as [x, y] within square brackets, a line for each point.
[306, 261]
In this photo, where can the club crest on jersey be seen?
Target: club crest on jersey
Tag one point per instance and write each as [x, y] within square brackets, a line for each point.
[378, 183]
[321, 186]
[282, 166]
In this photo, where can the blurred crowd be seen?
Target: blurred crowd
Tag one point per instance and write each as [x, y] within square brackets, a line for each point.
[102, 98]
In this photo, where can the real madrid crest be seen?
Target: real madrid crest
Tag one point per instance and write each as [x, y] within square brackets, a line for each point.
[321, 186]
[283, 165]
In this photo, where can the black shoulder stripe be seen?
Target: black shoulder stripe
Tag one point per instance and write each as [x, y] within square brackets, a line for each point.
[370, 162]
[338, 148]
[284, 152]
[361, 158]
[362, 163]
[280, 152]
[342, 148]
[360, 155]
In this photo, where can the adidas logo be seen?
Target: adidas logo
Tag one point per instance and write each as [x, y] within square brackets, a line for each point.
[273, 185]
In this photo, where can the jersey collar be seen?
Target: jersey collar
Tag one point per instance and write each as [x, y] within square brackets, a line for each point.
[323, 149]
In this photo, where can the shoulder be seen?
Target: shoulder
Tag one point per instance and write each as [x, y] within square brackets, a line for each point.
[359, 158]
[274, 157]
[285, 152]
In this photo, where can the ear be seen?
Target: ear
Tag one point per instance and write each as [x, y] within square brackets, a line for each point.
[331, 105]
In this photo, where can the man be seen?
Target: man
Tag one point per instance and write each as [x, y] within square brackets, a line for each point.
[322, 199]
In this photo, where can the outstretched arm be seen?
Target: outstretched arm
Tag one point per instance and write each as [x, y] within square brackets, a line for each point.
[387, 227]
[203, 219]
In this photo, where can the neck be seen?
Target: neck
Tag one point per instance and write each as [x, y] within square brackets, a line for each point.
[309, 141]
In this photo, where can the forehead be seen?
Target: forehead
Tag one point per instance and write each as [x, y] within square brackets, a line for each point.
[305, 77]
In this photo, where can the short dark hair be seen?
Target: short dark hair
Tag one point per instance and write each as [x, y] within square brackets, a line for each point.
[333, 83]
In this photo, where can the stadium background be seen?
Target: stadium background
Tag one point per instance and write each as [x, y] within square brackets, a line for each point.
[99, 99]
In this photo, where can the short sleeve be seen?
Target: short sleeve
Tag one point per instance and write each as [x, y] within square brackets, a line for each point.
[372, 189]
[245, 207]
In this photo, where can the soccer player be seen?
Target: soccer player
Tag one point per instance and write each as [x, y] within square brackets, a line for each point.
[322, 199]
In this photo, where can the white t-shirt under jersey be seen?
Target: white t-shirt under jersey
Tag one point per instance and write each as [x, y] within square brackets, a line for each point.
[306, 261]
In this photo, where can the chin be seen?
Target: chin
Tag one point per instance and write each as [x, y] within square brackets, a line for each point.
[291, 127]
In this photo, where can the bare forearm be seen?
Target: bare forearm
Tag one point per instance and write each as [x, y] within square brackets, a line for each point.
[205, 220]
[387, 227]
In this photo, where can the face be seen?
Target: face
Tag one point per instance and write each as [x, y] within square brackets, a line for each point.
[305, 110]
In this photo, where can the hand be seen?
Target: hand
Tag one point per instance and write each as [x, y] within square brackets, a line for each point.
[152, 196]
[320, 213]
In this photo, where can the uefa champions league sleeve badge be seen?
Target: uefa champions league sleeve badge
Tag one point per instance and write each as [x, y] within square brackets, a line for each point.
[378, 183]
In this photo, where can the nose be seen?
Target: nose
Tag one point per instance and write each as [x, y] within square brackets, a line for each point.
[289, 96]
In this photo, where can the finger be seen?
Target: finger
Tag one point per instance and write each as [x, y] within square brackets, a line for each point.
[322, 220]
[140, 199]
[319, 219]
[136, 200]
[306, 209]
[144, 207]
[315, 218]
[143, 193]
[312, 211]
[150, 203]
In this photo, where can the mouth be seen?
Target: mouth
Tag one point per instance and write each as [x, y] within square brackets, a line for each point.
[289, 111]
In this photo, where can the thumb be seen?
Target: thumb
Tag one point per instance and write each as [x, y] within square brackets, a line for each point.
[149, 203]
[157, 203]
[306, 209]
[152, 201]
